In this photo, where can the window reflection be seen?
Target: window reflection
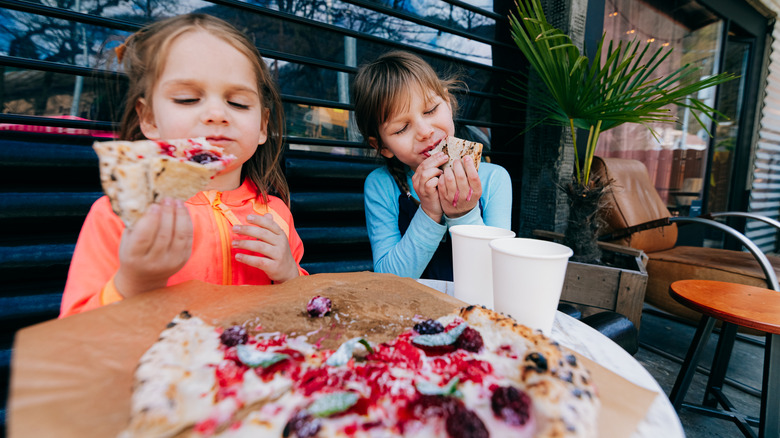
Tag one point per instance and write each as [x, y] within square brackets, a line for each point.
[677, 158]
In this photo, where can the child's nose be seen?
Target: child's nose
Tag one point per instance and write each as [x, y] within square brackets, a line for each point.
[425, 131]
[215, 113]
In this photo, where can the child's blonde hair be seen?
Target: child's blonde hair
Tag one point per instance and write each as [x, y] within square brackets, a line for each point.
[143, 57]
[383, 87]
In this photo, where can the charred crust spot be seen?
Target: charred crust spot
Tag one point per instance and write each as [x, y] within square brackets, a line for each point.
[185, 315]
[571, 360]
[171, 324]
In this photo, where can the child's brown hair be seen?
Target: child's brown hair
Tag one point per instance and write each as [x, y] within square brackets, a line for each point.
[143, 57]
[382, 88]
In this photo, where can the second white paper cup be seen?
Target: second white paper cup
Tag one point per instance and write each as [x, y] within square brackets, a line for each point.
[471, 262]
[528, 277]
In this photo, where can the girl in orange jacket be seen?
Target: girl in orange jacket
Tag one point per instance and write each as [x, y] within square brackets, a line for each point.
[195, 76]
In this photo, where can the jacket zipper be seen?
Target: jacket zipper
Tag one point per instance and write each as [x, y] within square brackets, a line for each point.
[225, 219]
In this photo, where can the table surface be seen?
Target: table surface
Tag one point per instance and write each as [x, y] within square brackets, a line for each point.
[747, 306]
[661, 419]
[97, 351]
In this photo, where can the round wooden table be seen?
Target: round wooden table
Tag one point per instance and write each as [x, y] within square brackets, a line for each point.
[737, 305]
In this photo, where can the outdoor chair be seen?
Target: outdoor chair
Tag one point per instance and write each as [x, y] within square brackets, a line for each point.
[638, 217]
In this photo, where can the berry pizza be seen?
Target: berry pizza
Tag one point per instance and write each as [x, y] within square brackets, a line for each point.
[136, 174]
[474, 373]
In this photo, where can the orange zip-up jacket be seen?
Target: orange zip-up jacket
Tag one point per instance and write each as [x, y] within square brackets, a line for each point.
[96, 258]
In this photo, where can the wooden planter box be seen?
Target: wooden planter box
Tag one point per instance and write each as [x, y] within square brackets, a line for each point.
[594, 288]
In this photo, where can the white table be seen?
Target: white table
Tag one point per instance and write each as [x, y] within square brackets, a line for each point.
[661, 419]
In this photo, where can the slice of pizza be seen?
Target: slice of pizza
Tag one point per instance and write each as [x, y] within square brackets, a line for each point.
[136, 174]
[457, 148]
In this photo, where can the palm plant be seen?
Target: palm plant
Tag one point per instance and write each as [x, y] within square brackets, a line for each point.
[617, 86]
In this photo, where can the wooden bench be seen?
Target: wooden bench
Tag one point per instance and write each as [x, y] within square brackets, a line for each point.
[49, 182]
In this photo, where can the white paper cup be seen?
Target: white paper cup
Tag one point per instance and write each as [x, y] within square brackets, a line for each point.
[528, 277]
[471, 262]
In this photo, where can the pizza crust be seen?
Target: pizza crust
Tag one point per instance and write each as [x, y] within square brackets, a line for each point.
[136, 174]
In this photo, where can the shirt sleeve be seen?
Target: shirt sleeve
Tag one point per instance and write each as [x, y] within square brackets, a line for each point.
[296, 244]
[405, 256]
[497, 196]
[95, 261]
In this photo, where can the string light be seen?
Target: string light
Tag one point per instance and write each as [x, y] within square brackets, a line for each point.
[634, 30]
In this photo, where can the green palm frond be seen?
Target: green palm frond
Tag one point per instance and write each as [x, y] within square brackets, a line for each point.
[618, 86]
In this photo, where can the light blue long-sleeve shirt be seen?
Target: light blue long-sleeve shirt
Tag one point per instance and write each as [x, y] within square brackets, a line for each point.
[408, 256]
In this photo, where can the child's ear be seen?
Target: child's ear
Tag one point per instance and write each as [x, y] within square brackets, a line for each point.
[385, 152]
[146, 119]
[264, 126]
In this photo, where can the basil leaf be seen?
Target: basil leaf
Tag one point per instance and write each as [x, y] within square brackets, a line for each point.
[333, 403]
[344, 352]
[254, 358]
[425, 387]
[440, 339]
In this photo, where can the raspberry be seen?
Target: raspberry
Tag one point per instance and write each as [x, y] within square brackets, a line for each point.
[464, 423]
[318, 306]
[428, 327]
[469, 340]
[233, 336]
[511, 405]
[301, 425]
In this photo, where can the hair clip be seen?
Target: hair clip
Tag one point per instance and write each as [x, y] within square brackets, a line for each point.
[409, 195]
[120, 51]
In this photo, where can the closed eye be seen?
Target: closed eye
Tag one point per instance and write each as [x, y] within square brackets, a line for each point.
[186, 101]
[401, 131]
[432, 110]
[238, 105]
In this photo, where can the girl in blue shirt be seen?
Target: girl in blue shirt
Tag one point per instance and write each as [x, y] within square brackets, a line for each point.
[404, 110]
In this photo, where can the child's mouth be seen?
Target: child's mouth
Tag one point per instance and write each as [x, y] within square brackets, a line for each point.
[427, 151]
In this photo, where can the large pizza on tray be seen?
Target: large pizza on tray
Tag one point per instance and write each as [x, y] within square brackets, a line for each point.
[472, 373]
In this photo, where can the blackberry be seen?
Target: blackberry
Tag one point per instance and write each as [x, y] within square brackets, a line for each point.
[233, 336]
[464, 423]
[318, 306]
[469, 340]
[301, 425]
[538, 360]
[511, 405]
[204, 157]
[428, 327]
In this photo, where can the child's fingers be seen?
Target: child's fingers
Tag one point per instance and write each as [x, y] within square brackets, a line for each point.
[183, 232]
[142, 235]
[164, 237]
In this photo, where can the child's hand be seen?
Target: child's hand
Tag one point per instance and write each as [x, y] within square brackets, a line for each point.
[268, 240]
[156, 247]
[426, 180]
[460, 188]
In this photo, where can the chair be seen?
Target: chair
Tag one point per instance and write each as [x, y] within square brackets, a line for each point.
[639, 218]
